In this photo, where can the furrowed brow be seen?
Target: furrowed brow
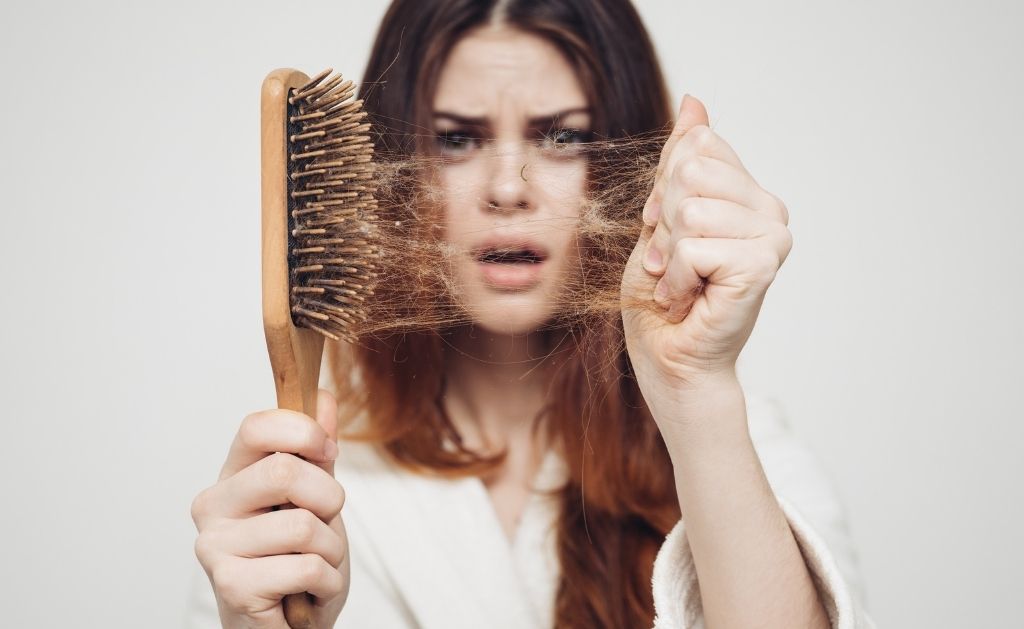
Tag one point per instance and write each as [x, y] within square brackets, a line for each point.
[463, 120]
[547, 121]
[542, 121]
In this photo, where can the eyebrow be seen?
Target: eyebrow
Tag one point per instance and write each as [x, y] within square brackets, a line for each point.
[536, 121]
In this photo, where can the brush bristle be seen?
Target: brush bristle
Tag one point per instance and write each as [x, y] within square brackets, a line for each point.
[332, 232]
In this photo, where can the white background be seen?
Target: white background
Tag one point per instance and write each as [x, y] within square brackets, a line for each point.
[132, 344]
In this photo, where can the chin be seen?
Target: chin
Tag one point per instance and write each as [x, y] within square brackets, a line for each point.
[509, 313]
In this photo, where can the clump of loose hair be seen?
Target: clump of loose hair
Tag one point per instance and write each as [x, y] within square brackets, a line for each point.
[416, 289]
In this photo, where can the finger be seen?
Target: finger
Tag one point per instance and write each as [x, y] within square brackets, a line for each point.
[701, 140]
[704, 217]
[701, 217]
[291, 574]
[744, 268]
[691, 113]
[327, 418]
[259, 584]
[280, 533]
[277, 430]
[274, 480]
[702, 177]
[680, 285]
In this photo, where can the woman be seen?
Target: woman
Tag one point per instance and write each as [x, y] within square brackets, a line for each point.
[529, 467]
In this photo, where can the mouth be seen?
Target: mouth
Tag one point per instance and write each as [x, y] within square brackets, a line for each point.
[511, 255]
[511, 265]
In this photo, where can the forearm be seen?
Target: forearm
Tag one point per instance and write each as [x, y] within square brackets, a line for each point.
[749, 566]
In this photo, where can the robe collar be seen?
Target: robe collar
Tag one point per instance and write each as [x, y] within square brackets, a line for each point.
[443, 546]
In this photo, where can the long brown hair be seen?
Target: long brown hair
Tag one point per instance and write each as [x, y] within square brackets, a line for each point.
[619, 469]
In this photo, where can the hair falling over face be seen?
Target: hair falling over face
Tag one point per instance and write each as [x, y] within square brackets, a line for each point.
[619, 500]
[418, 289]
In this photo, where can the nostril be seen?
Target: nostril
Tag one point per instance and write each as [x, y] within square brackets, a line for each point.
[495, 207]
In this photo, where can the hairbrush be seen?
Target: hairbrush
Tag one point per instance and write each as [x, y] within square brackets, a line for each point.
[319, 238]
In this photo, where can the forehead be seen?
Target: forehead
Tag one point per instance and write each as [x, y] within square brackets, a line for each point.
[498, 68]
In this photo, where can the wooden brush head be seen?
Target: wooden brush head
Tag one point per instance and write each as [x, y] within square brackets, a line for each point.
[319, 226]
[328, 183]
[320, 240]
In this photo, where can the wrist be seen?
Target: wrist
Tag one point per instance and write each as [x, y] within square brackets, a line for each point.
[703, 418]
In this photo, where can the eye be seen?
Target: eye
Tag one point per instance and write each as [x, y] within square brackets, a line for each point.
[457, 141]
[565, 138]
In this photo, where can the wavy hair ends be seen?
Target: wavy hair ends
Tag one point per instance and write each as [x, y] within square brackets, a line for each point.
[391, 383]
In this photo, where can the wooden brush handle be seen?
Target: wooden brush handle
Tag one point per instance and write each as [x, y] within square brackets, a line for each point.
[295, 353]
[296, 366]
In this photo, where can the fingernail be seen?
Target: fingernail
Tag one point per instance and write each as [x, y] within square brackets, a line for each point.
[330, 450]
[683, 102]
[652, 259]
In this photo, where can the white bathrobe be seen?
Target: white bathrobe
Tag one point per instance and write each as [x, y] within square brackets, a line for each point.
[431, 554]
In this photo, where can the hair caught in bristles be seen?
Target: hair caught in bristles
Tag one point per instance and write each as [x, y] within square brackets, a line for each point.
[333, 244]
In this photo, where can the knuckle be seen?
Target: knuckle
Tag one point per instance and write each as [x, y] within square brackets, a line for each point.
[771, 261]
[333, 581]
[228, 584]
[703, 136]
[782, 209]
[200, 506]
[691, 210]
[251, 428]
[310, 568]
[787, 242]
[303, 528]
[337, 498]
[204, 548]
[313, 436]
[340, 551]
[281, 470]
[688, 170]
[683, 248]
[767, 266]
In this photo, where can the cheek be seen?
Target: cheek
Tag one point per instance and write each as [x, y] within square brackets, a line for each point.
[563, 187]
[561, 184]
[455, 192]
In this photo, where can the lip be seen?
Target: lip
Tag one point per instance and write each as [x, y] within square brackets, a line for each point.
[511, 276]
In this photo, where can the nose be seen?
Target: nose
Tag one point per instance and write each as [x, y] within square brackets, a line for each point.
[508, 188]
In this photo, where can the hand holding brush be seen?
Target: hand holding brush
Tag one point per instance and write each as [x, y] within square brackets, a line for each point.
[271, 536]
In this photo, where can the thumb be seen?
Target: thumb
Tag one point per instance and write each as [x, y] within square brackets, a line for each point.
[327, 417]
[691, 113]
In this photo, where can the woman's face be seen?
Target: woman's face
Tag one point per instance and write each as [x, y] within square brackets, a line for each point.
[509, 116]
